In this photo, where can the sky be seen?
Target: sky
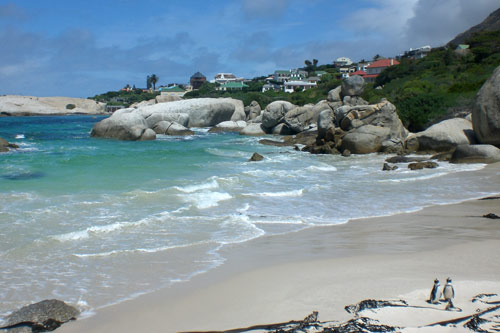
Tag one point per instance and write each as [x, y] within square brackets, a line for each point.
[84, 48]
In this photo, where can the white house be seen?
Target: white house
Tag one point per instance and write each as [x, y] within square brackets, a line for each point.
[342, 61]
[291, 86]
[227, 77]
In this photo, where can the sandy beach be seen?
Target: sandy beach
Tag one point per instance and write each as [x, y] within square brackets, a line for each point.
[281, 278]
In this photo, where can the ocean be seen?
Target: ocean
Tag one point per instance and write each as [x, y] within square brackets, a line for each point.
[94, 222]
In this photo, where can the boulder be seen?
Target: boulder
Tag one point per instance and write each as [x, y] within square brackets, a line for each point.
[476, 154]
[254, 129]
[155, 118]
[299, 118]
[239, 109]
[282, 129]
[366, 139]
[4, 146]
[486, 111]
[325, 122]
[143, 103]
[167, 98]
[334, 95]
[353, 86]
[275, 113]
[121, 126]
[387, 167]
[354, 100]
[171, 128]
[256, 157]
[392, 146]
[446, 135]
[257, 119]
[422, 165]
[254, 110]
[43, 316]
[229, 126]
[385, 115]
[148, 135]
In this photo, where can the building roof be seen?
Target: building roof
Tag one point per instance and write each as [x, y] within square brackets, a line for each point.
[360, 73]
[198, 75]
[234, 85]
[172, 89]
[383, 63]
[299, 83]
[319, 73]
[281, 72]
[462, 47]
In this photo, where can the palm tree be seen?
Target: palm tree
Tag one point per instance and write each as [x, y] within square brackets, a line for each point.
[154, 79]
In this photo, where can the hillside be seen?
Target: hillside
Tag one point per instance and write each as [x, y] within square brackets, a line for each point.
[491, 23]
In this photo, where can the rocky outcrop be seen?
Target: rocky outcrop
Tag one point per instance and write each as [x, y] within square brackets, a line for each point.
[275, 113]
[14, 105]
[6, 146]
[282, 129]
[171, 128]
[486, 112]
[167, 98]
[131, 124]
[353, 86]
[476, 154]
[334, 95]
[256, 157]
[422, 165]
[40, 317]
[325, 123]
[444, 136]
[299, 118]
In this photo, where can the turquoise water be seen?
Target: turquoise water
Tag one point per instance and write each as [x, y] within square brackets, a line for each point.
[94, 221]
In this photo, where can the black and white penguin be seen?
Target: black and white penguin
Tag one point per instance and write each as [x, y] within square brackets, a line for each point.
[448, 291]
[435, 293]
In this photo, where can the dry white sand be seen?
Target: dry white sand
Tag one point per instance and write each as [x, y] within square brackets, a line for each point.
[281, 278]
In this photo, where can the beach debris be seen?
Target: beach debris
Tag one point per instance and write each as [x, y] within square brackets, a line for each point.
[373, 304]
[256, 157]
[435, 293]
[43, 316]
[362, 324]
[474, 320]
[491, 216]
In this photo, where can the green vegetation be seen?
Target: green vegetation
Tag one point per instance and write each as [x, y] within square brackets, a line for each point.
[123, 97]
[426, 89]
[70, 106]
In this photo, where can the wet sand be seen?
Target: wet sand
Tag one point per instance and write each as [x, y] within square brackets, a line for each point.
[285, 277]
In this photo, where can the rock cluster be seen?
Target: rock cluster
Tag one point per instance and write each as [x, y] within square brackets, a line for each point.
[6, 146]
[15, 105]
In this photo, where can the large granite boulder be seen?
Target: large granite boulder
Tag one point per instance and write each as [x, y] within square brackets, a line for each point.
[143, 103]
[476, 154]
[275, 113]
[365, 139]
[121, 126]
[325, 122]
[282, 129]
[444, 136]
[167, 98]
[486, 111]
[171, 128]
[334, 95]
[155, 118]
[14, 105]
[43, 316]
[353, 86]
[254, 129]
[229, 126]
[254, 110]
[299, 118]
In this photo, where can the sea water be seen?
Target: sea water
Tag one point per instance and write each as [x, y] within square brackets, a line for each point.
[94, 221]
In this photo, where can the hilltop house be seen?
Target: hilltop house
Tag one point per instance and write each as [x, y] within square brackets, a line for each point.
[292, 86]
[227, 77]
[174, 90]
[417, 53]
[271, 87]
[232, 86]
[373, 70]
[282, 75]
[342, 62]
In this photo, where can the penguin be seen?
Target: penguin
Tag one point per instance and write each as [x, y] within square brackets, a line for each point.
[435, 293]
[448, 291]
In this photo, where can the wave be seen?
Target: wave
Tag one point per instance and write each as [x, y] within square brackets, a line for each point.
[294, 193]
[203, 200]
[211, 185]
[20, 136]
[327, 168]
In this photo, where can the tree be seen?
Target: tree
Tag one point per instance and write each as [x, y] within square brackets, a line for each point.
[315, 64]
[154, 79]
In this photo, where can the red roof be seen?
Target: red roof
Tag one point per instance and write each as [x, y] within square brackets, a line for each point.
[383, 63]
[370, 75]
[360, 73]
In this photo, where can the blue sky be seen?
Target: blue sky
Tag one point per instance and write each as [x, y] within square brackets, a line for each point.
[82, 48]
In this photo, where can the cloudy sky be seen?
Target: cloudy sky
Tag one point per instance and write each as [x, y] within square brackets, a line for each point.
[82, 48]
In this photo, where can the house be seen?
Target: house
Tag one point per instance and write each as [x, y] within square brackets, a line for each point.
[313, 79]
[197, 80]
[282, 75]
[271, 87]
[342, 62]
[292, 86]
[418, 53]
[174, 90]
[297, 74]
[373, 70]
[232, 86]
[358, 72]
[320, 73]
[362, 65]
[346, 70]
[226, 77]
[462, 50]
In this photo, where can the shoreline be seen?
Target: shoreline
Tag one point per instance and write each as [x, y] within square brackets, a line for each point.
[286, 277]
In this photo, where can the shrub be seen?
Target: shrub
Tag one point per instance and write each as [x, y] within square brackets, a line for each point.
[70, 106]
